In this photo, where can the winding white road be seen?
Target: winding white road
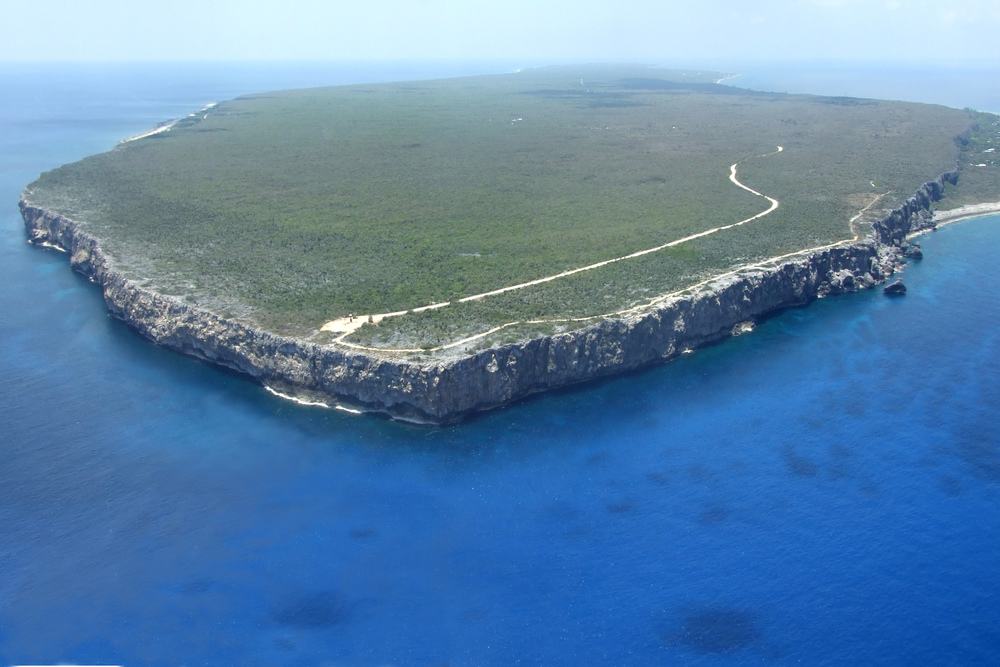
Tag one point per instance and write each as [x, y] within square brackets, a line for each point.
[347, 325]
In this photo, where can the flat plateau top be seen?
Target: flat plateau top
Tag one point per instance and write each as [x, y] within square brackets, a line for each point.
[295, 209]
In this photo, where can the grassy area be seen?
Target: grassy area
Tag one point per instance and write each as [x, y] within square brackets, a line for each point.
[980, 163]
[294, 208]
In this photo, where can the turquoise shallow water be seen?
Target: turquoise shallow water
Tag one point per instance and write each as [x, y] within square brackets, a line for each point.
[821, 491]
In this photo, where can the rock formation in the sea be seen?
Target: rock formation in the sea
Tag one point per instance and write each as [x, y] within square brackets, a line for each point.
[445, 391]
[896, 288]
[912, 251]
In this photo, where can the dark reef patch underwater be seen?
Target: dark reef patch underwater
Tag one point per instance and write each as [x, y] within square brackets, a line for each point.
[823, 490]
[716, 630]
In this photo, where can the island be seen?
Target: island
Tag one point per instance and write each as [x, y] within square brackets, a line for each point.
[429, 250]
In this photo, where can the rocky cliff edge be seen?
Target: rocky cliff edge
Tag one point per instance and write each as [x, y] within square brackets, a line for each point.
[446, 391]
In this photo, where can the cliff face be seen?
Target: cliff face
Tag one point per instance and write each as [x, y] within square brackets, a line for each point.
[446, 391]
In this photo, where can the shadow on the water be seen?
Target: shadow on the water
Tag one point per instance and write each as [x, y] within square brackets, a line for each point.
[950, 485]
[197, 586]
[979, 448]
[713, 514]
[714, 630]
[315, 611]
[622, 507]
[797, 464]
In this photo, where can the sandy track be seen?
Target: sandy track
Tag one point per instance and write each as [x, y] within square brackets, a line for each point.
[347, 325]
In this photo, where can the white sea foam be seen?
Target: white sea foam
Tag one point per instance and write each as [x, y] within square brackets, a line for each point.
[293, 399]
[315, 404]
[53, 246]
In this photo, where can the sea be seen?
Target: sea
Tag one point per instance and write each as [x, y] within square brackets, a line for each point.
[822, 491]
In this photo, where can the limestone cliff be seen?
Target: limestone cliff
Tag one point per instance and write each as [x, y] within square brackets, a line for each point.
[442, 392]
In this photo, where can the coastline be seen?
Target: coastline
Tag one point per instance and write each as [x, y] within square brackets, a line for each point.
[949, 216]
[447, 391]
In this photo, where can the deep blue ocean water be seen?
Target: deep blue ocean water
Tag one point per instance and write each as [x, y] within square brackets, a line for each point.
[822, 491]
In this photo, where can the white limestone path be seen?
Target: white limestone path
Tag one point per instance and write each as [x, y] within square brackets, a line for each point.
[347, 325]
[591, 267]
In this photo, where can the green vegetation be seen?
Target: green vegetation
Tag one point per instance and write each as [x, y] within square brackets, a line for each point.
[291, 209]
[980, 164]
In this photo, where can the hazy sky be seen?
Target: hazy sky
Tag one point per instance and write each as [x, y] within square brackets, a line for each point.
[637, 30]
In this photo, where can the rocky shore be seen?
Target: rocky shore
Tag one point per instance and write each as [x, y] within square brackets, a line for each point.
[440, 392]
